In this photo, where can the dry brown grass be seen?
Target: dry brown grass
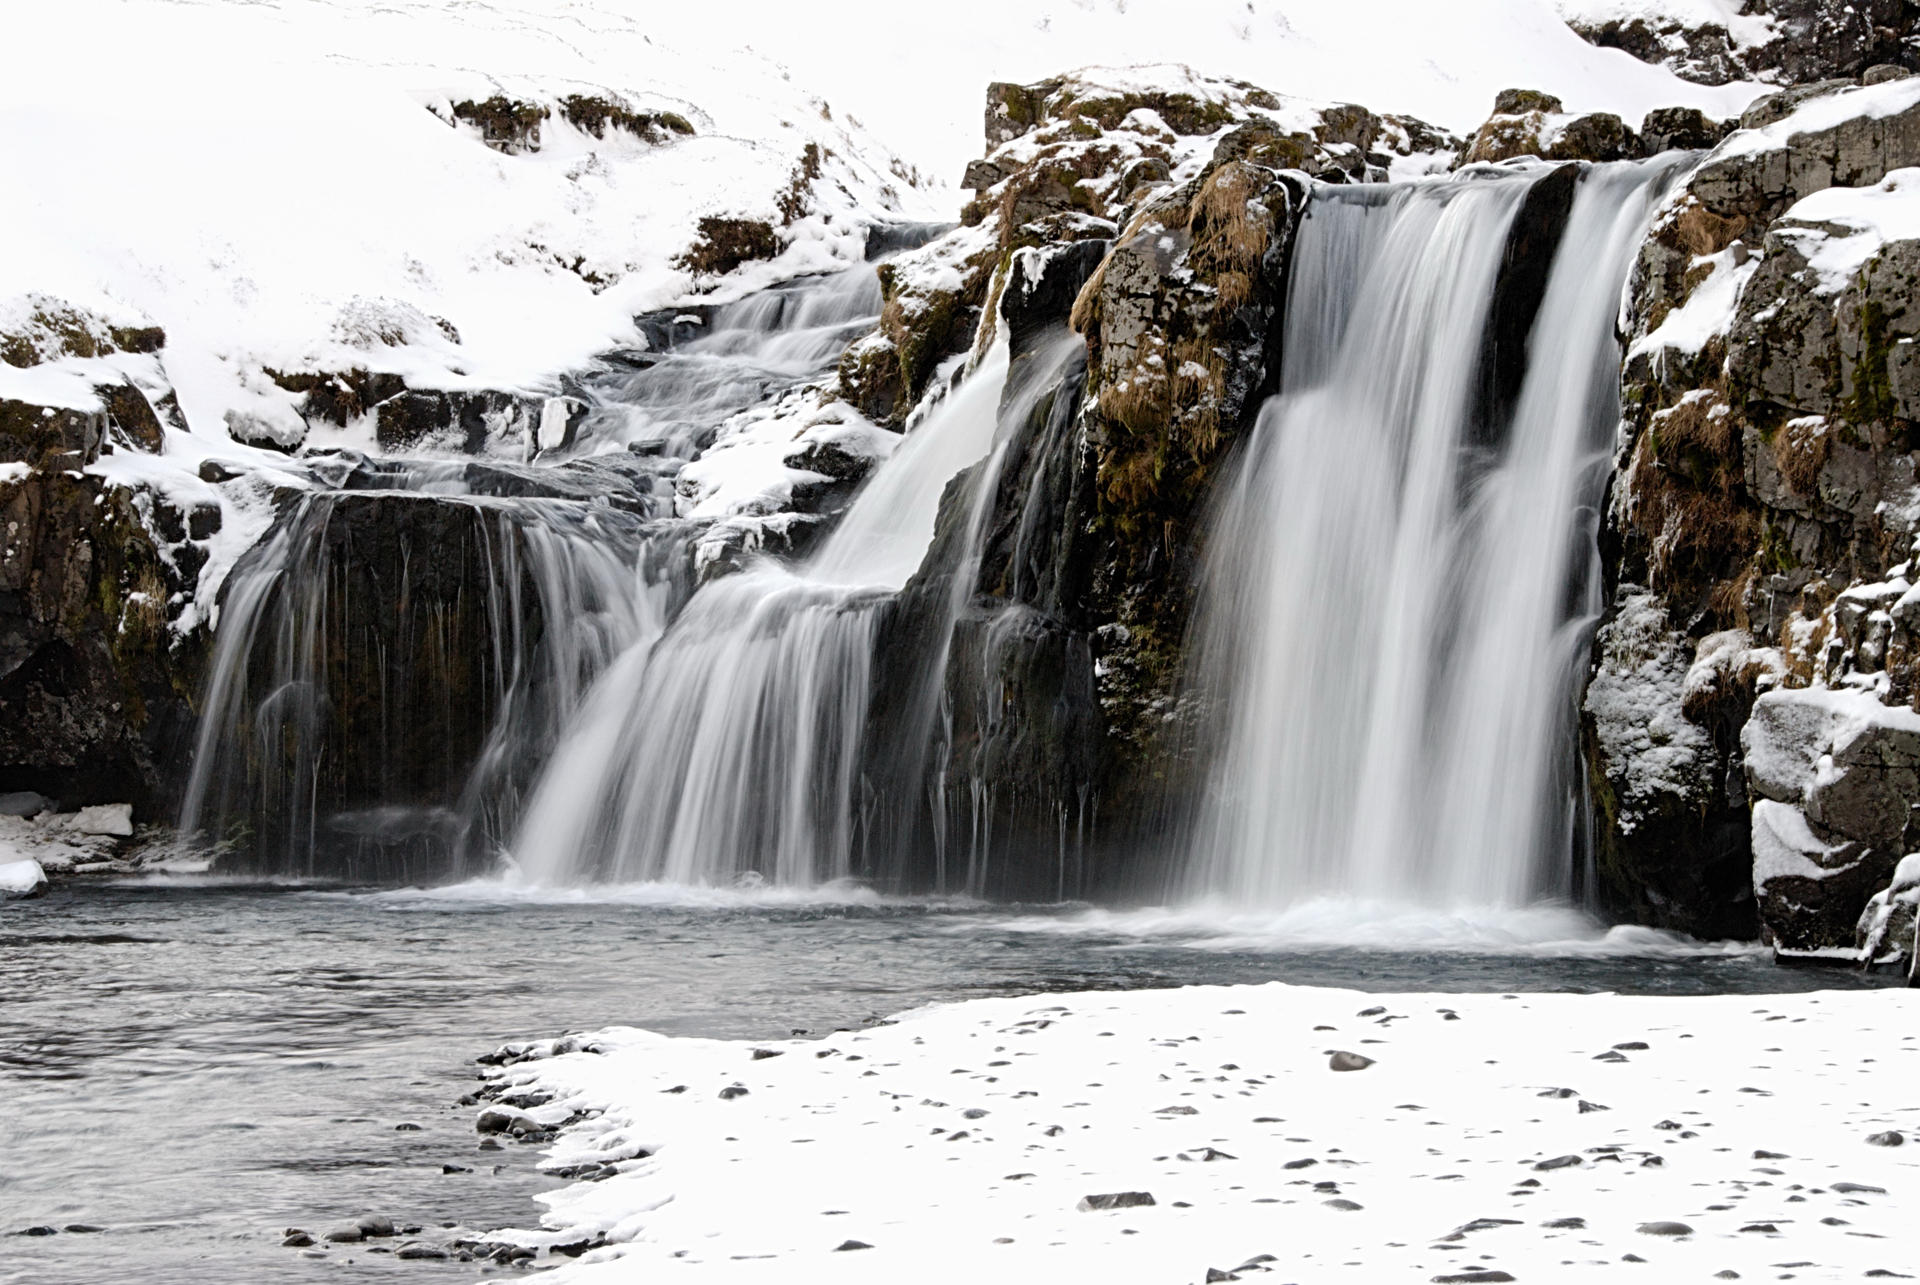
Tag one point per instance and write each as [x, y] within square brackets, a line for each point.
[1698, 230]
[1226, 235]
[1800, 451]
[1086, 305]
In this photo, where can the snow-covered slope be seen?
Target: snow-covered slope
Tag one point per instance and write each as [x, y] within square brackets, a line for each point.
[261, 179]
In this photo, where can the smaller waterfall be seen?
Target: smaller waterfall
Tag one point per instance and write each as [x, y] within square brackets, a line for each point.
[1402, 586]
[704, 369]
[373, 642]
[732, 747]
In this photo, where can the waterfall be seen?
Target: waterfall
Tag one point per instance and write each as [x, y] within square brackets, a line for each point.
[374, 642]
[730, 749]
[1402, 579]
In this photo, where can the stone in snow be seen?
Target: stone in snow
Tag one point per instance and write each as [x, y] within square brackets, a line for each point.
[1891, 1138]
[1115, 1200]
[1559, 1162]
[24, 803]
[1477, 1276]
[1345, 1061]
[1665, 1229]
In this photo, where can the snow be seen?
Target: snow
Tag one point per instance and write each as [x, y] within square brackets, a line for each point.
[1784, 845]
[745, 473]
[1887, 211]
[15, 472]
[1708, 311]
[1825, 112]
[302, 182]
[21, 878]
[104, 818]
[1441, 62]
[64, 386]
[958, 1143]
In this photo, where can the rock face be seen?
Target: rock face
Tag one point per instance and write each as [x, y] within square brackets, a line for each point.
[95, 681]
[1784, 41]
[1076, 158]
[95, 687]
[1764, 488]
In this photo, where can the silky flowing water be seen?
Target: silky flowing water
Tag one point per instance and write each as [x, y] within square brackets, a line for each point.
[196, 1067]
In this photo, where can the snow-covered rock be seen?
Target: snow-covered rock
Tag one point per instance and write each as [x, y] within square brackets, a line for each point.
[1838, 778]
[114, 819]
[21, 879]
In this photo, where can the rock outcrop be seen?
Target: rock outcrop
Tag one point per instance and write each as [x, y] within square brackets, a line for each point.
[1764, 486]
[1158, 226]
[1783, 41]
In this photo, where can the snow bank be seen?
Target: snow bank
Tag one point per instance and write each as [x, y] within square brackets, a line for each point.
[1859, 221]
[1545, 1136]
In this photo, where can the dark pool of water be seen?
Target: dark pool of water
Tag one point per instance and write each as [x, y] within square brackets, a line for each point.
[196, 1069]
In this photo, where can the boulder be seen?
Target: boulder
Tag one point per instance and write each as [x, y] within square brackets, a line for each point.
[21, 880]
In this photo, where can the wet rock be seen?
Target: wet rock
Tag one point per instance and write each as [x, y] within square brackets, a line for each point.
[419, 1249]
[1115, 1200]
[374, 1225]
[344, 1234]
[297, 1240]
[24, 803]
[1341, 1060]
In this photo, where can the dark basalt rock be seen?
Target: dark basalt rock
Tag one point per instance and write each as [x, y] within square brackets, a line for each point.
[95, 688]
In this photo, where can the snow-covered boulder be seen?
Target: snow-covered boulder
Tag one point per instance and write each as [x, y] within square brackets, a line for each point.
[1837, 779]
[1716, 41]
[20, 880]
[114, 819]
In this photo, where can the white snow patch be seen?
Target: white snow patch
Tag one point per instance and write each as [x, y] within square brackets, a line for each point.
[1708, 311]
[1887, 211]
[958, 1143]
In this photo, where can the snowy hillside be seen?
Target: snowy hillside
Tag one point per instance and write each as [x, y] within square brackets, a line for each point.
[290, 177]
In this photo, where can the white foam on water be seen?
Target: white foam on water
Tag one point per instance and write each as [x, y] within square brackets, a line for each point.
[1548, 929]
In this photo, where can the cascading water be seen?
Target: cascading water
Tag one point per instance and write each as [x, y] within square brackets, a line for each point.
[1403, 579]
[396, 661]
[731, 748]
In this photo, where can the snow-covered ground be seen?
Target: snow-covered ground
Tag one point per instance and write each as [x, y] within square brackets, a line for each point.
[1550, 1137]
